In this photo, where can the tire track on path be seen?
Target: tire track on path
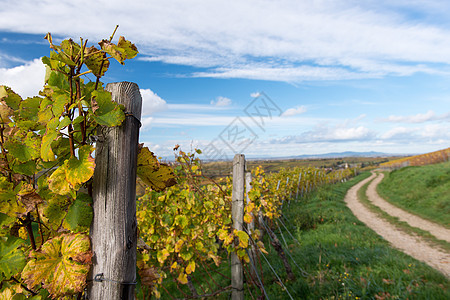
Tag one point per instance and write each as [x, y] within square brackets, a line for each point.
[438, 231]
[411, 245]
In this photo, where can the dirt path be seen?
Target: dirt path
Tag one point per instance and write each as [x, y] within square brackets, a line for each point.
[411, 245]
[413, 220]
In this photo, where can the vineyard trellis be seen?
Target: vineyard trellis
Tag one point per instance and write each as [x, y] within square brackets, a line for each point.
[195, 226]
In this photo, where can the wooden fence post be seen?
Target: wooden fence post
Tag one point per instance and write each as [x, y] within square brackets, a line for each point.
[237, 214]
[114, 227]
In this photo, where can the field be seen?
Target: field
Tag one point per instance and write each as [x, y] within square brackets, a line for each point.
[421, 190]
[219, 169]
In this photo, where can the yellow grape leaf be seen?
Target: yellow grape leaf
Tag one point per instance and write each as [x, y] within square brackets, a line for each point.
[61, 264]
[182, 278]
[162, 255]
[5, 112]
[178, 245]
[174, 266]
[190, 267]
[250, 207]
[222, 233]
[57, 181]
[243, 238]
[80, 170]
[248, 218]
[158, 176]
[261, 247]
[46, 146]
[215, 258]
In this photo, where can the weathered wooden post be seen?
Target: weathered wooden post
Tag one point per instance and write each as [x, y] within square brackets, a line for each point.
[114, 227]
[237, 214]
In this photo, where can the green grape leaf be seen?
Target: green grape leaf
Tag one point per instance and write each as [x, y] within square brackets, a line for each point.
[61, 147]
[62, 264]
[61, 57]
[26, 149]
[29, 108]
[19, 150]
[181, 221]
[95, 61]
[5, 223]
[80, 214]
[56, 210]
[80, 170]
[10, 97]
[158, 176]
[186, 253]
[65, 122]
[60, 100]
[12, 259]
[8, 200]
[106, 112]
[70, 48]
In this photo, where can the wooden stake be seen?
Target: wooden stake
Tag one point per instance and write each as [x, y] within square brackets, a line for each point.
[237, 214]
[114, 228]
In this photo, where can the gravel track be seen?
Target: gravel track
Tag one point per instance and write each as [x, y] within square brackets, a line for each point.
[412, 245]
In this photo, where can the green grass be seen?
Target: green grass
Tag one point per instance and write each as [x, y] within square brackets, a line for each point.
[343, 258]
[423, 191]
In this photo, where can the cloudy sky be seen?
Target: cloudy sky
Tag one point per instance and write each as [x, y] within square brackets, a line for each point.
[266, 78]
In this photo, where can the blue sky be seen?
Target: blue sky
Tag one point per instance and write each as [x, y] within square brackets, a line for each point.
[334, 75]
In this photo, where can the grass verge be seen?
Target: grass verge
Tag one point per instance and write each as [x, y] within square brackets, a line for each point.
[422, 190]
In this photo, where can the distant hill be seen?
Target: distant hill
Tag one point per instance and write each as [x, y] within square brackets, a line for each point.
[345, 154]
[331, 155]
[316, 156]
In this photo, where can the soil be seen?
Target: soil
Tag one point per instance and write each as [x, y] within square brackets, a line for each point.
[412, 245]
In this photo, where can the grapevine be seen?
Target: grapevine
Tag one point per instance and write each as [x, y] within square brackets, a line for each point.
[46, 168]
[188, 226]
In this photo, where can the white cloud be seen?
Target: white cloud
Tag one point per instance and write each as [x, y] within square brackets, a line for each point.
[26, 80]
[429, 134]
[323, 133]
[255, 94]
[299, 40]
[151, 102]
[398, 133]
[294, 111]
[418, 118]
[221, 101]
